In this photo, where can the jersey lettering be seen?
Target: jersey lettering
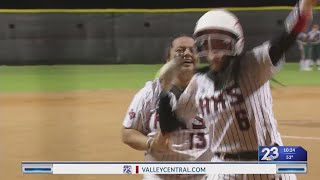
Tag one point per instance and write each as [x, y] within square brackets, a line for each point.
[219, 100]
[198, 140]
[198, 123]
[234, 96]
[204, 105]
[242, 119]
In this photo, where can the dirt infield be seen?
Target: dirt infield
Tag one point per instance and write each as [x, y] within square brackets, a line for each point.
[85, 126]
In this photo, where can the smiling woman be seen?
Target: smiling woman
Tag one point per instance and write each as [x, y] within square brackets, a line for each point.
[142, 129]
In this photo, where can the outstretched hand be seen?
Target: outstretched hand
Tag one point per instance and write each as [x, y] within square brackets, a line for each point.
[307, 5]
[169, 71]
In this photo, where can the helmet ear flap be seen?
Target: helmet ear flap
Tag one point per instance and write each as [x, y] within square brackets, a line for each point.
[239, 46]
[240, 43]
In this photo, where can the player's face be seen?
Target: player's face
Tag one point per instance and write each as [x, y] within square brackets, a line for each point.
[216, 46]
[315, 27]
[184, 46]
[217, 61]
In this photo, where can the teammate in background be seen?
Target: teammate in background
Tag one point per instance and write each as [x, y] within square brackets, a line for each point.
[304, 48]
[314, 39]
[141, 129]
[233, 93]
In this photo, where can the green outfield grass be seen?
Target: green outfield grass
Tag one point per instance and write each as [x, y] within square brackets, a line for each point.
[93, 77]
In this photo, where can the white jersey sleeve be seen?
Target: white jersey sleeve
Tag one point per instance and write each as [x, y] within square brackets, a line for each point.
[138, 109]
[257, 64]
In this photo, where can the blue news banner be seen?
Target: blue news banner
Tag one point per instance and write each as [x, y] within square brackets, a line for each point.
[282, 153]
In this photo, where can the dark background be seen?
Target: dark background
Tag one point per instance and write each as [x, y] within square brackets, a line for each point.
[101, 4]
[116, 38]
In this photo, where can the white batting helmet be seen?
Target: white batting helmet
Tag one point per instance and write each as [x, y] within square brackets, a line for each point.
[223, 21]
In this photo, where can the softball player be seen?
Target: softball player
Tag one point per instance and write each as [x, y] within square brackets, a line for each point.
[314, 39]
[141, 126]
[304, 48]
[233, 92]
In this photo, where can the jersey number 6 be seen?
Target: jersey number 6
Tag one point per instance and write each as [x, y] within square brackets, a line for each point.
[242, 119]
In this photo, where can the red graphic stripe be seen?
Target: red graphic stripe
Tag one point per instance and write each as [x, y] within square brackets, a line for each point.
[137, 169]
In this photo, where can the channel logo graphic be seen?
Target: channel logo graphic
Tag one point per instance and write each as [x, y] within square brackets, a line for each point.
[270, 154]
[127, 169]
[282, 153]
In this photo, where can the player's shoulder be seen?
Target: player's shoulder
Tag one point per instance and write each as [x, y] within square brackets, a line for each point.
[200, 76]
[150, 89]
[152, 85]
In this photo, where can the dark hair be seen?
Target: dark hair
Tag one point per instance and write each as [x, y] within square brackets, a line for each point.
[170, 44]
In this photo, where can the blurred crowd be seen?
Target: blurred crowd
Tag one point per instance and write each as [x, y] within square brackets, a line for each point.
[309, 45]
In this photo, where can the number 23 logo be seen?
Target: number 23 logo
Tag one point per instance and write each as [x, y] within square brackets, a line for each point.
[275, 153]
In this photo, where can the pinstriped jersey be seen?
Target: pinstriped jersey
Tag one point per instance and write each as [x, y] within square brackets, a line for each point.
[240, 115]
[190, 144]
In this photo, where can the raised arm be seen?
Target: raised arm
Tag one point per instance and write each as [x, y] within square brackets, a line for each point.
[260, 64]
[169, 71]
[295, 23]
